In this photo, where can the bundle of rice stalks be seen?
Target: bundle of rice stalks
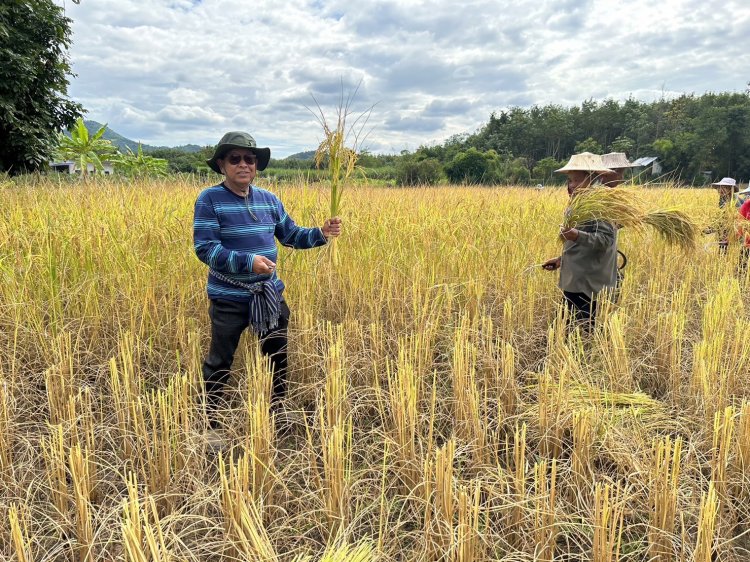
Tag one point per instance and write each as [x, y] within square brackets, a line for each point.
[333, 152]
[625, 208]
[674, 226]
[614, 205]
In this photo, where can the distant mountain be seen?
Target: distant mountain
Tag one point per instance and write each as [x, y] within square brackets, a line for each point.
[308, 155]
[123, 143]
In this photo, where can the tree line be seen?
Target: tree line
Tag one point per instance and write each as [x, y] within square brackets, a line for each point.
[696, 137]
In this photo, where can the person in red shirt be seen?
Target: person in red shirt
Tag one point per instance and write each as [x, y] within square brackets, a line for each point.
[744, 233]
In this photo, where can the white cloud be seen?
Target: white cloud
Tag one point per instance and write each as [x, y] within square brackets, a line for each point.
[185, 71]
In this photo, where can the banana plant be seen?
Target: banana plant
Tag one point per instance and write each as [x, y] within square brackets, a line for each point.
[84, 148]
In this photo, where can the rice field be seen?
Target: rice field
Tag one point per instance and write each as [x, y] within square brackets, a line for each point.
[439, 410]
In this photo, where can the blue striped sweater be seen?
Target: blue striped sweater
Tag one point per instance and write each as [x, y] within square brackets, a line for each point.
[227, 238]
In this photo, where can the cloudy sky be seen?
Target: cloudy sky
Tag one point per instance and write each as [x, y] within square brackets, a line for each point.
[171, 72]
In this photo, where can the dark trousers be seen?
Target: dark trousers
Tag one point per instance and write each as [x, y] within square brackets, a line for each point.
[228, 320]
[582, 309]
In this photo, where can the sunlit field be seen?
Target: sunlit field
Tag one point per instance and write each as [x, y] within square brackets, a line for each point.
[438, 409]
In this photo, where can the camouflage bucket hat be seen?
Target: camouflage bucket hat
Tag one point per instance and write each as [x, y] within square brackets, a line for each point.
[238, 139]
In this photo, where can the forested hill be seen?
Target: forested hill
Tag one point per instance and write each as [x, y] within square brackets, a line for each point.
[690, 134]
[124, 143]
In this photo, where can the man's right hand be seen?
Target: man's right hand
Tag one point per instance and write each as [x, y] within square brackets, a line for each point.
[551, 265]
[262, 265]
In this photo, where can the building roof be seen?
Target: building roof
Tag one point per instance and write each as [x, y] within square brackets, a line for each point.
[645, 160]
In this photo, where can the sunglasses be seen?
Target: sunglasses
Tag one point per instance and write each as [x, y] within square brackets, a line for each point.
[250, 159]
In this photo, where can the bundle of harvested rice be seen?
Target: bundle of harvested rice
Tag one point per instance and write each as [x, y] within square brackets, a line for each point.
[674, 226]
[615, 205]
[625, 208]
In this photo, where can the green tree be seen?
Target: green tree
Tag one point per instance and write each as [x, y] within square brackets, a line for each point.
[588, 145]
[623, 144]
[517, 172]
[85, 149]
[418, 172]
[137, 164]
[471, 166]
[545, 168]
[34, 71]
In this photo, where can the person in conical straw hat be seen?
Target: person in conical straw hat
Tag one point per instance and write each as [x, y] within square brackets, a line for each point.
[618, 163]
[235, 228]
[588, 264]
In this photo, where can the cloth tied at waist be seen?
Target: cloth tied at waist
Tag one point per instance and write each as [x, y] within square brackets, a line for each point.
[264, 302]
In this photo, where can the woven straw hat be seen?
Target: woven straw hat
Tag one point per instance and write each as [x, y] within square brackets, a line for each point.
[584, 162]
[616, 160]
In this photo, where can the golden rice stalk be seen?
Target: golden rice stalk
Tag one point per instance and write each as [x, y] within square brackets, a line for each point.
[261, 427]
[609, 510]
[704, 546]
[520, 468]
[345, 553]
[59, 379]
[743, 444]
[85, 434]
[675, 226]
[404, 389]
[427, 490]
[159, 443]
[582, 395]
[615, 354]
[444, 497]
[499, 368]
[440, 501]
[664, 479]
[721, 452]
[336, 390]
[545, 528]
[157, 425]
[468, 539]
[132, 528]
[6, 429]
[553, 400]
[55, 458]
[670, 331]
[336, 454]
[584, 433]
[194, 361]
[243, 521]
[507, 383]
[126, 382]
[708, 389]
[140, 542]
[79, 463]
[19, 533]
[468, 415]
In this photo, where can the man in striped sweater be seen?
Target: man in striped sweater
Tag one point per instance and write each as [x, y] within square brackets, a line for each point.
[234, 231]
